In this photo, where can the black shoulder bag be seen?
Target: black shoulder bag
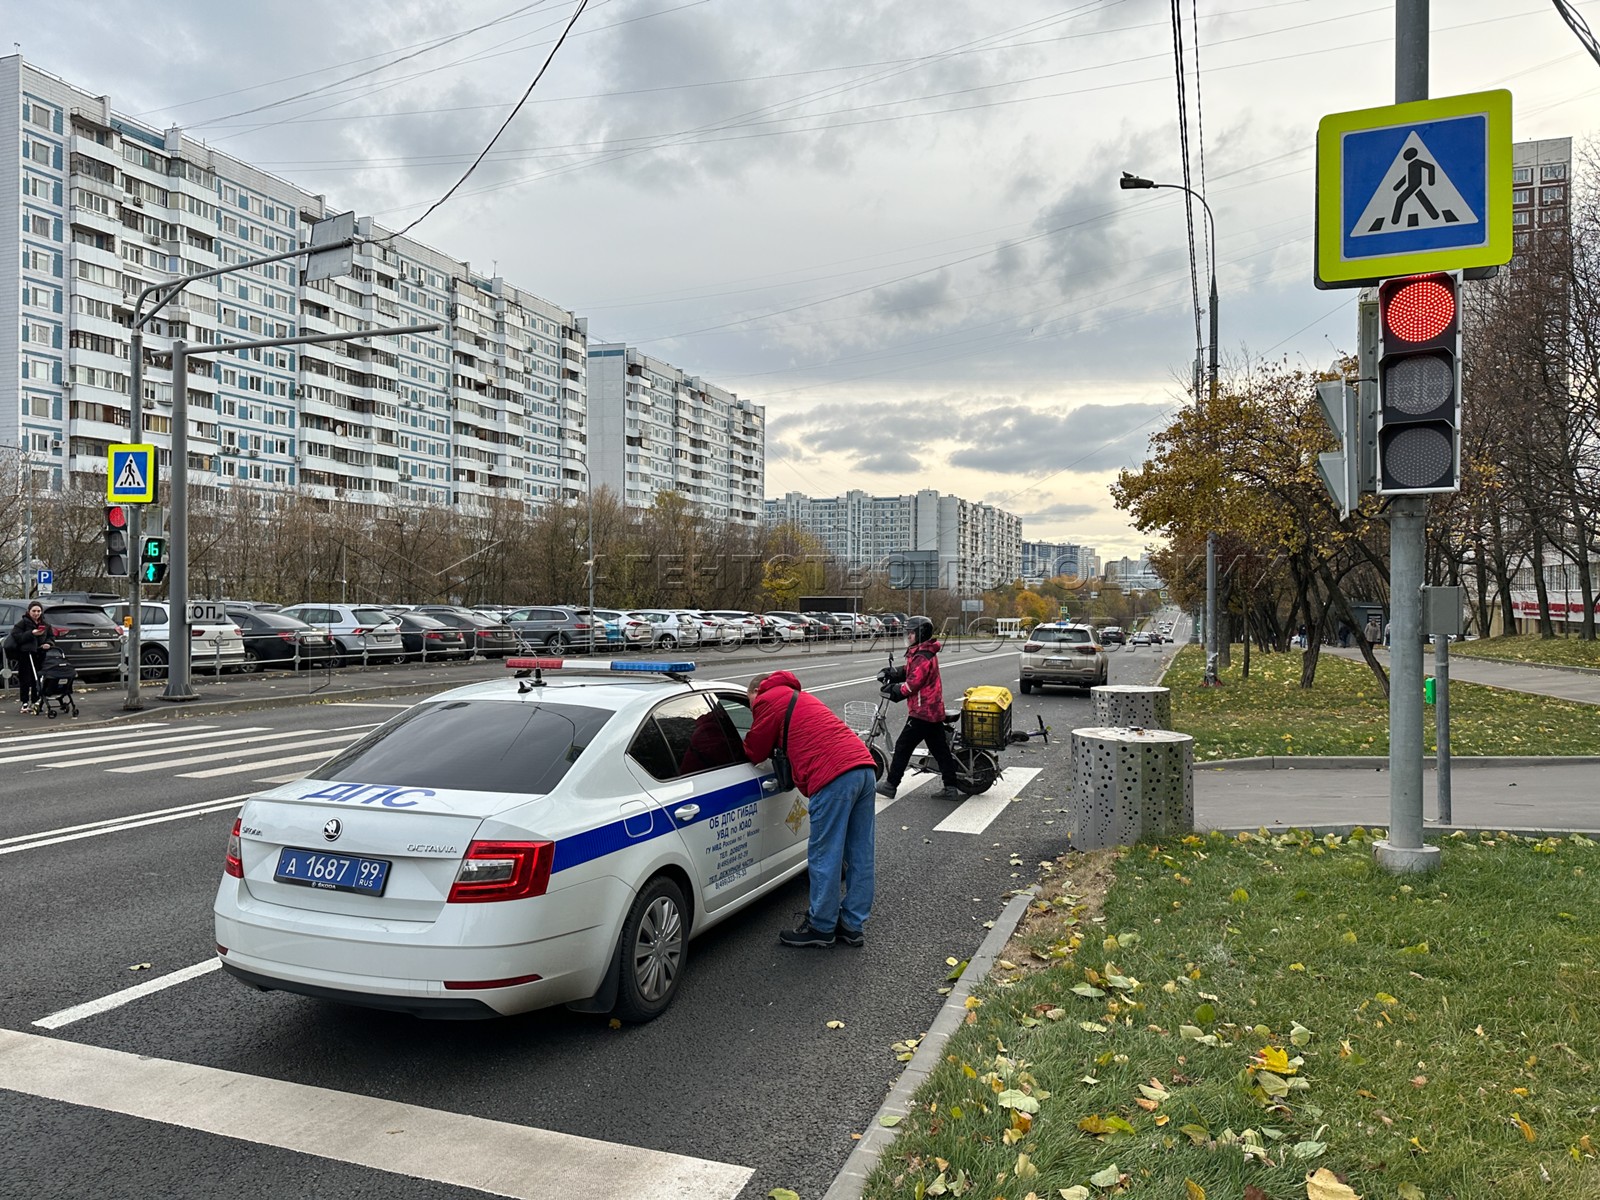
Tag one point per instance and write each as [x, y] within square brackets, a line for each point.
[782, 768]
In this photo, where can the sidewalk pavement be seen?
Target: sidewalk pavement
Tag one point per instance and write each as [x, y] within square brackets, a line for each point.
[1564, 683]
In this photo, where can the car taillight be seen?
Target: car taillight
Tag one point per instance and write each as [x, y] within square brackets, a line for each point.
[1032, 647]
[502, 871]
[434, 637]
[287, 635]
[1087, 649]
[196, 631]
[357, 631]
[59, 631]
[579, 625]
[232, 863]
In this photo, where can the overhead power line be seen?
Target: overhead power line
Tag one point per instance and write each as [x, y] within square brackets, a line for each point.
[511, 116]
[1579, 26]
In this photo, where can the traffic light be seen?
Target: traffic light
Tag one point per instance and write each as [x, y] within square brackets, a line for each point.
[117, 541]
[1419, 385]
[152, 559]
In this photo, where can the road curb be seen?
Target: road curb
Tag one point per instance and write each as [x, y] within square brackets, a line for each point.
[1349, 762]
[1457, 657]
[852, 1177]
[1430, 829]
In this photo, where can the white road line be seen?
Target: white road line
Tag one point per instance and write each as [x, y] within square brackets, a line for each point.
[95, 734]
[243, 768]
[110, 821]
[40, 841]
[291, 778]
[976, 812]
[212, 742]
[230, 750]
[366, 704]
[492, 1156]
[127, 995]
[36, 754]
[147, 747]
[905, 789]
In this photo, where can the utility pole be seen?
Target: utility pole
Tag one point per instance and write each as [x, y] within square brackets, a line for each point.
[1403, 850]
[178, 674]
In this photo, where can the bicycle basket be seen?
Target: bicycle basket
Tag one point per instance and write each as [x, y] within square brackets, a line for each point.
[859, 714]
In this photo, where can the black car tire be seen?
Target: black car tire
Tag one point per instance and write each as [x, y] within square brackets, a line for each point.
[1025, 686]
[667, 641]
[251, 663]
[558, 641]
[152, 662]
[652, 951]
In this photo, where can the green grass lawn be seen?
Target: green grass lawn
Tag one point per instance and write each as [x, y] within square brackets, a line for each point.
[1346, 713]
[1240, 1013]
[1557, 651]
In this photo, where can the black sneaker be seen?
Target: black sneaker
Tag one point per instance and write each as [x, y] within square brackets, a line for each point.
[949, 792]
[851, 937]
[805, 935]
[886, 790]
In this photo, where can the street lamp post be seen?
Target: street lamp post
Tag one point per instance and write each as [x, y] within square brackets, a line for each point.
[1131, 182]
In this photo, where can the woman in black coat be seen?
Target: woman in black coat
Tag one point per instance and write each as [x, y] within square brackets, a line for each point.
[31, 636]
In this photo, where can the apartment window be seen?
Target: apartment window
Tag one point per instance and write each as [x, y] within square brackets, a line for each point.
[1520, 218]
[40, 116]
[1552, 171]
[1552, 195]
[38, 334]
[39, 152]
[1522, 175]
[1552, 216]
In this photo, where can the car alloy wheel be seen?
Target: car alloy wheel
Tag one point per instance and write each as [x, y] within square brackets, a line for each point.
[152, 662]
[252, 661]
[652, 950]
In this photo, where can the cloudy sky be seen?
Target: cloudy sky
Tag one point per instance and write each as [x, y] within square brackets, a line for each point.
[895, 223]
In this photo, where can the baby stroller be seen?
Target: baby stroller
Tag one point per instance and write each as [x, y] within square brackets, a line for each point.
[55, 685]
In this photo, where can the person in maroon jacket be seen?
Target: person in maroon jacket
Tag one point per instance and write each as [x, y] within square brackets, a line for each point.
[833, 770]
[923, 691]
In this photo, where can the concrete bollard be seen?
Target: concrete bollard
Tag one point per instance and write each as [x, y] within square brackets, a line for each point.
[1125, 706]
[1129, 784]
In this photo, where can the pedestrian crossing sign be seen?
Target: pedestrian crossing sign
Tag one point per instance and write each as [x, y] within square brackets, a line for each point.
[1413, 188]
[131, 474]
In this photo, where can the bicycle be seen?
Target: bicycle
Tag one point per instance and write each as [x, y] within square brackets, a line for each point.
[976, 750]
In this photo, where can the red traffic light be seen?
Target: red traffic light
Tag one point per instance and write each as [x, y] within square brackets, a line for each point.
[116, 516]
[1417, 310]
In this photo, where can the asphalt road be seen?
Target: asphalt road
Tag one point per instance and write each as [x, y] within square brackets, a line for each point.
[100, 878]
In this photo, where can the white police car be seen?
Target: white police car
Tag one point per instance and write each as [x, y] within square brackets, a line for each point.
[550, 838]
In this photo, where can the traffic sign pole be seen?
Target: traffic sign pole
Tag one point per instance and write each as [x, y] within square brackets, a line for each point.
[1402, 850]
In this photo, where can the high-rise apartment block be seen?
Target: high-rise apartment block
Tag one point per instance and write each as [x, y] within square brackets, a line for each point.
[657, 429]
[978, 545]
[491, 408]
[1541, 180]
[1048, 560]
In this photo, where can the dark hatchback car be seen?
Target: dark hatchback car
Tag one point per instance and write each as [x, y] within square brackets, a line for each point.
[428, 639]
[484, 635]
[274, 640]
[83, 632]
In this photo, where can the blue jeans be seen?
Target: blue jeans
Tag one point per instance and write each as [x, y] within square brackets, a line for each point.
[844, 823]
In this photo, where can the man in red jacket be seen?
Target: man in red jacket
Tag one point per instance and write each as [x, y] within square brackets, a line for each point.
[833, 770]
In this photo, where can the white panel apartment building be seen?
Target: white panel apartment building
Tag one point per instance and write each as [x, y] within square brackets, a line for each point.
[658, 429]
[492, 407]
[979, 545]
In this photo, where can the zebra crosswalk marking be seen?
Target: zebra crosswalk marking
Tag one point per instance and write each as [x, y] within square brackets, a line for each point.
[195, 760]
[86, 735]
[241, 768]
[158, 744]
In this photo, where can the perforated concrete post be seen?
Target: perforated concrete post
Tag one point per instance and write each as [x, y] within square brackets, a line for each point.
[1130, 784]
[1126, 706]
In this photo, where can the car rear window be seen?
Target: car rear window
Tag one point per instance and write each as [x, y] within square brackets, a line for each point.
[1074, 636]
[372, 616]
[80, 618]
[472, 745]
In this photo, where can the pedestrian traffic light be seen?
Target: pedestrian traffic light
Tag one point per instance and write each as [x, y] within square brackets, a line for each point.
[1419, 385]
[153, 572]
[117, 541]
[152, 549]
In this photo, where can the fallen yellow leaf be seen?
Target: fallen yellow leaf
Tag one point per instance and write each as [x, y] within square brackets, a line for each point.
[1527, 1130]
[1323, 1184]
[1193, 1190]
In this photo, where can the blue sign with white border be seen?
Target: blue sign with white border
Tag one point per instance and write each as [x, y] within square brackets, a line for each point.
[1413, 188]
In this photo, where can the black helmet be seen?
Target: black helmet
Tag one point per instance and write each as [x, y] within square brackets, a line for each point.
[918, 630]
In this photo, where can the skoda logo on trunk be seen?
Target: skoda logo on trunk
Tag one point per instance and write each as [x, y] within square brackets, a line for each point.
[332, 829]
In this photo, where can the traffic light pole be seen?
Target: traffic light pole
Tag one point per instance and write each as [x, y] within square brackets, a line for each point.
[1408, 516]
[164, 294]
[179, 678]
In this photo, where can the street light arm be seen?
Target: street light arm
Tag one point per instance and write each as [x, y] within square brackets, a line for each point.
[1130, 182]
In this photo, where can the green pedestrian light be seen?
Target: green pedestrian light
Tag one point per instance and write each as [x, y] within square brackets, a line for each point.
[153, 572]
